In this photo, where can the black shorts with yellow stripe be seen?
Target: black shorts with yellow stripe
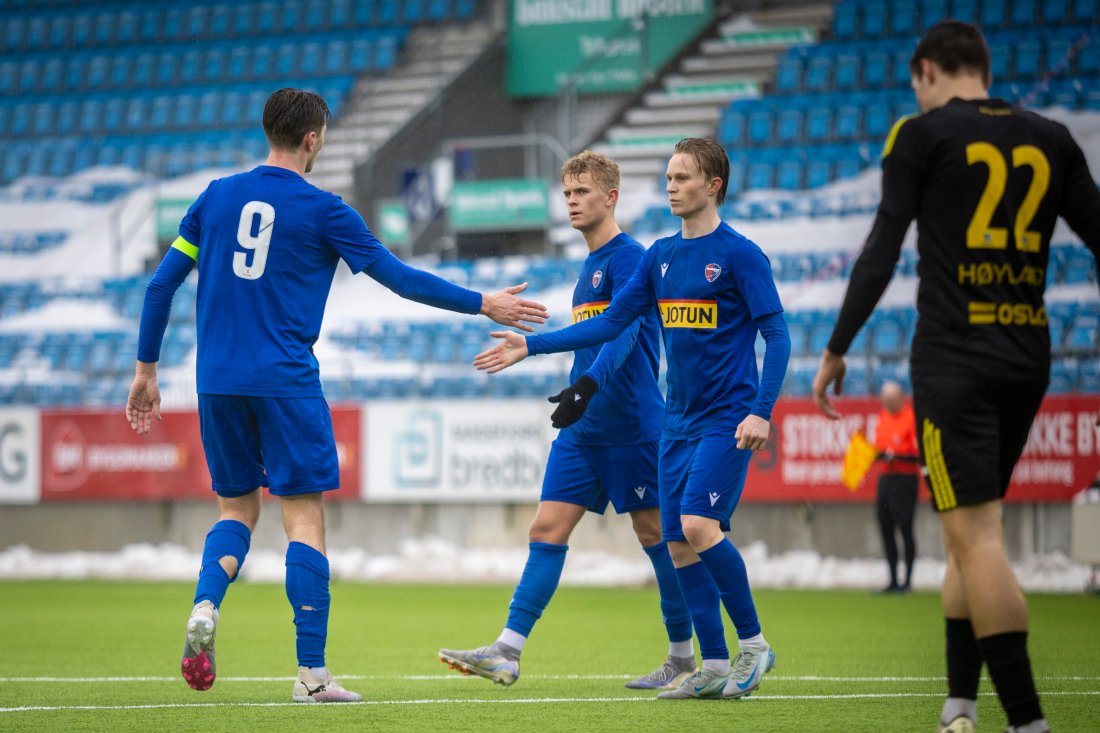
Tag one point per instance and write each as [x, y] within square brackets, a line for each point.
[971, 432]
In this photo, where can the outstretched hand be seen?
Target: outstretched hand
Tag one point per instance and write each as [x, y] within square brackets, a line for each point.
[831, 371]
[504, 355]
[143, 404]
[508, 310]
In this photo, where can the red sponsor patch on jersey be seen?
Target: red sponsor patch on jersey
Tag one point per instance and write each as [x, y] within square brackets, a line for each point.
[597, 278]
[712, 272]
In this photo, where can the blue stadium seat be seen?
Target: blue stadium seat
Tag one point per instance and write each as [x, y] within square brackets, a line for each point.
[845, 20]
[1064, 93]
[993, 15]
[267, 19]
[339, 13]
[291, 19]
[316, 15]
[849, 118]
[788, 126]
[999, 57]
[965, 10]
[932, 12]
[244, 19]
[903, 18]
[872, 20]
[819, 72]
[876, 68]
[1026, 59]
[847, 71]
[761, 175]
[1023, 13]
[214, 66]
[221, 21]
[1054, 12]
[53, 75]
[1088, 58]
[789, 174]
[819, 123]
[818, 172]
[463, 8]
[760, 126]
[114, 115]
[361, 56]
[1084, 11]
[385, 50]
[387, 12]
[788, 75]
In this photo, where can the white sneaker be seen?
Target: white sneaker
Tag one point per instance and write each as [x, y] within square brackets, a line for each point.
[197, 664]
[311, 688]
[749, 667]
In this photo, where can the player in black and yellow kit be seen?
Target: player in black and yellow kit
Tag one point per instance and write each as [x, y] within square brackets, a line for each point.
[986, 182]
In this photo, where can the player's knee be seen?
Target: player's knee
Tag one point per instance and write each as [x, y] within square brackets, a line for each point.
[544, 529]
[700, 531]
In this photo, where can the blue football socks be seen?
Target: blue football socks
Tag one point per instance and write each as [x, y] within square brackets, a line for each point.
[307, 590]
[674, 611]
[701, 596]
[728, 570]
[227, 538]
[536, 586]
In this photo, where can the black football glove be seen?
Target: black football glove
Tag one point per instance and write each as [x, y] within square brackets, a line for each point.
[572, 402]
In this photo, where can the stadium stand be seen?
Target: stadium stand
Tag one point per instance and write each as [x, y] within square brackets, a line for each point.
[84, 85]
[171, 89]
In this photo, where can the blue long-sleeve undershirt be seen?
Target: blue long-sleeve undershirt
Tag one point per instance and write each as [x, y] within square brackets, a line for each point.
[613, 354]
[777, 351]
[170, 274]
[423, 287]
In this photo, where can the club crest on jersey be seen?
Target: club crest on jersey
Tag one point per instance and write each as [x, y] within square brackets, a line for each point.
[597, 278]
[712, 272]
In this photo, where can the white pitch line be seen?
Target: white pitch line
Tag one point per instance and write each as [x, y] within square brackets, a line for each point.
[494, 701]
[459, 677]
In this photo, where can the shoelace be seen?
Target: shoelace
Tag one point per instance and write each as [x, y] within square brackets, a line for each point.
[746, 662]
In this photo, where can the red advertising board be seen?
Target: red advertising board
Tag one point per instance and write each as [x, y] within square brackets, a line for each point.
[94, 455]
[805, 452]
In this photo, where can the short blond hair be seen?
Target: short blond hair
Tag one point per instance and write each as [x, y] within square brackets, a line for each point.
[603, 170]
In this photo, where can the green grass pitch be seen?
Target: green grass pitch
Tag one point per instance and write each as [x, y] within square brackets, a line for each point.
[90, 656]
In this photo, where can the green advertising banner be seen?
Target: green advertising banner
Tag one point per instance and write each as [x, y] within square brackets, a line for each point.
[169, 214]
[602, 45]
[502, 204]
[393, 222]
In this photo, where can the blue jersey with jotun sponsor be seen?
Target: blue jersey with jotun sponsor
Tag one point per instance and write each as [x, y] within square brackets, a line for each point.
[629, 407]
[708, 291]
[267, 243]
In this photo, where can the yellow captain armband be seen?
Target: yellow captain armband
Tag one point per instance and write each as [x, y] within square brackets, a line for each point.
[186, 247]
[889, 146]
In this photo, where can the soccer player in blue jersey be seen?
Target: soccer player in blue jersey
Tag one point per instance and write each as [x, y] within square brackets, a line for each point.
[607, 452]
[714, 291]
[267, 243]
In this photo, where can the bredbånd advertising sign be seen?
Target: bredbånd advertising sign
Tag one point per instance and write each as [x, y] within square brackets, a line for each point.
[456, 451]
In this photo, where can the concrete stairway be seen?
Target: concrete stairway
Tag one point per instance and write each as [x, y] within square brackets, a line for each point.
[736, 61]
[378, 106]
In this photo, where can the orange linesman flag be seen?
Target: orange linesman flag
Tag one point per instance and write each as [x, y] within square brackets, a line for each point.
[857, 461]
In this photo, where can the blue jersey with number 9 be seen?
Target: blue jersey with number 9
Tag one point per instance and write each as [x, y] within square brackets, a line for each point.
[267, 243]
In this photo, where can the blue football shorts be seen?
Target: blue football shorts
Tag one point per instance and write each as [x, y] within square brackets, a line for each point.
[703, 477]
[592, 475]
[284, 443]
